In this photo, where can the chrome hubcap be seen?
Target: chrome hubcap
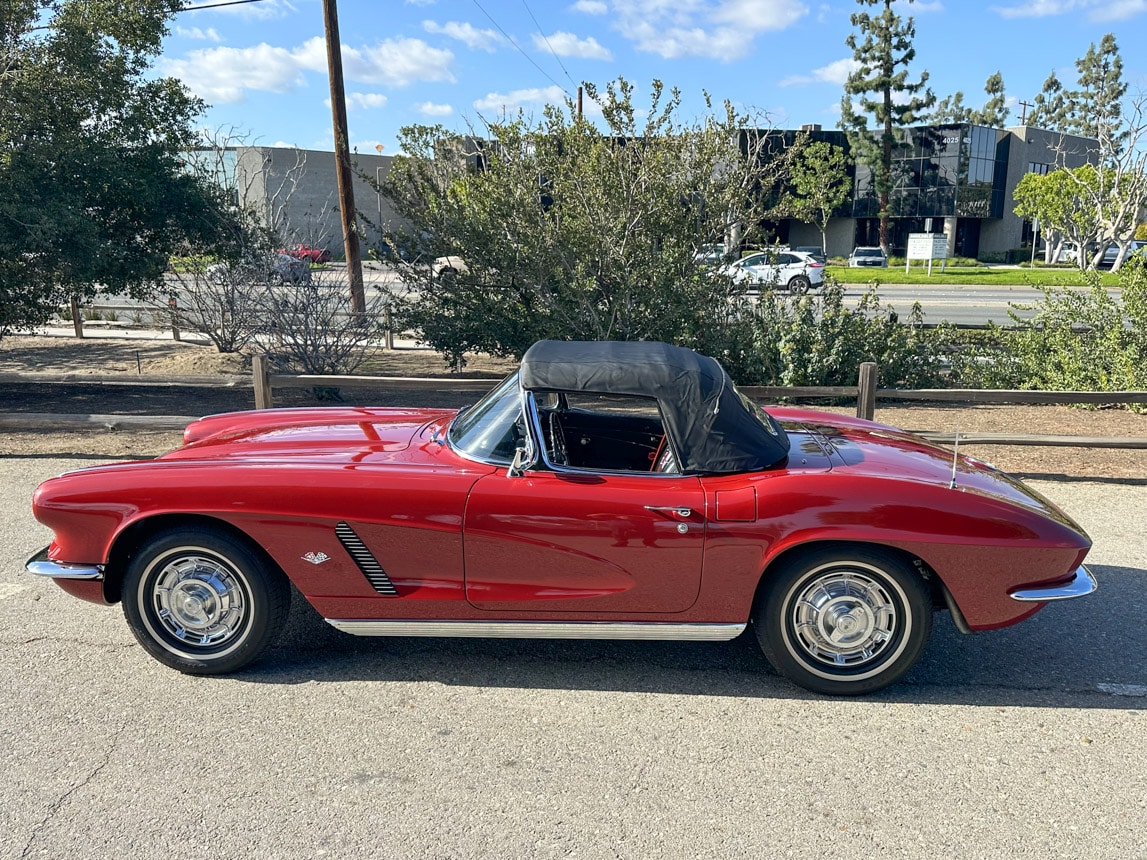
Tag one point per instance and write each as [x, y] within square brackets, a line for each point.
[199, 600]
[843, 618]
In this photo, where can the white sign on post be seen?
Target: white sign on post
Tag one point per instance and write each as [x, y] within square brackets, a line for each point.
[926, 246]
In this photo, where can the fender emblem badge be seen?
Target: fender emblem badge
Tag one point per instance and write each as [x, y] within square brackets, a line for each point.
[316, 557]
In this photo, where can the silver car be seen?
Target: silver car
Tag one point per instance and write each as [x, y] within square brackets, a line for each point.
[796, 271]
[867, 255]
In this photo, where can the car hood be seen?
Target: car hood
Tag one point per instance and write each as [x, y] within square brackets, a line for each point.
[865, 448]
[349, 433]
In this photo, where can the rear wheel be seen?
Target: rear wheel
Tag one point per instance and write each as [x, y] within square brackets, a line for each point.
[799, 285]
[844, 621]
[202, 601]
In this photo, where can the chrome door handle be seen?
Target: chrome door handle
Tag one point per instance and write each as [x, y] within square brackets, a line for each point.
[684, 513]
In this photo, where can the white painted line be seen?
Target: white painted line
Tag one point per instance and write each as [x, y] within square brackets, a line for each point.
[1138, 690]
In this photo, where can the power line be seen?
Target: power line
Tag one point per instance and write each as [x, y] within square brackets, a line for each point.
[217, 5]
[510, 39]
[545, 39]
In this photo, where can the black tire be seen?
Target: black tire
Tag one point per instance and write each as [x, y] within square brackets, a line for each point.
[202, 601]
[844, 621]
[448, 275]
[799, 285]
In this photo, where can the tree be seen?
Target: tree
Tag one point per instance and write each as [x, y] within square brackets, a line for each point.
[1093, 110]
[819, 183]
[1096, 107]
[91, 154]
[570, 231]
[1054, 199]
[993, 114]
[881, 86]
[1050, 109]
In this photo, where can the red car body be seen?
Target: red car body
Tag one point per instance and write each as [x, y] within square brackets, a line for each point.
[307, 252]
[389, 528]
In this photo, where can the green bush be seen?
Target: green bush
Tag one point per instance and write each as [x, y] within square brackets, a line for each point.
[1077, 341]
[815, 340]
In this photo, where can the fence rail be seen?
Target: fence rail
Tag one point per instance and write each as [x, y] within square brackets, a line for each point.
[263, 382]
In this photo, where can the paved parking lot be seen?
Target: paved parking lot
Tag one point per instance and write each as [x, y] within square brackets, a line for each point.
[1024, 742]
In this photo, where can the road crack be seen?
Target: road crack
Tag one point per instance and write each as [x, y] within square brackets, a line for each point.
[54, 807]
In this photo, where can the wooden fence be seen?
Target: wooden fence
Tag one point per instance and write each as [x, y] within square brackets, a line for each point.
[263, 382]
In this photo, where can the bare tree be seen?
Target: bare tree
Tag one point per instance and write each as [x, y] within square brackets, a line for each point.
[312, 328]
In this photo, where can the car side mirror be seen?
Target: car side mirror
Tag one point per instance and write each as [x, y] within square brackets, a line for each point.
[518, 464]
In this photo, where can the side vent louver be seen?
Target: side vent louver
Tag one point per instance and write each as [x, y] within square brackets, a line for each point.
[366, 562]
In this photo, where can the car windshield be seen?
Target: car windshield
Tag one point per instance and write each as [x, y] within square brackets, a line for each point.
[491, 429]
[869, 252]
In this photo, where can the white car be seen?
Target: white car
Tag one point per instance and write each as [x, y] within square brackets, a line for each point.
[867, 255]
[273, 269]
[796, 271]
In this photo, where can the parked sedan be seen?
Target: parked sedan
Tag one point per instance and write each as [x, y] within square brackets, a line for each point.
[602, 491]
[796, 271]
[867, 256]
[308, 253]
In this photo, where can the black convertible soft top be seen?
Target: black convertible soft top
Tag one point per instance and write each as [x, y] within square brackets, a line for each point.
[712, 428]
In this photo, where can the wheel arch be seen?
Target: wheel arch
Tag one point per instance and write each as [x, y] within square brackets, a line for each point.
[138, 533]
[935, 587]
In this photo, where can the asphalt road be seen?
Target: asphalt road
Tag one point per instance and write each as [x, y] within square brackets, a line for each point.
[961, 305]
[1029, 741]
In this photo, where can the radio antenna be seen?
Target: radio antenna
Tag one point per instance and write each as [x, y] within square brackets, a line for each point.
[955, 459]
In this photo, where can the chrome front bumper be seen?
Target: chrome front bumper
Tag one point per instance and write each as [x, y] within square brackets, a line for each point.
[41, 565]
[1079, 585]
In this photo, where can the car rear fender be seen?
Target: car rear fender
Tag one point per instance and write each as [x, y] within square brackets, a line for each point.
[780, 559]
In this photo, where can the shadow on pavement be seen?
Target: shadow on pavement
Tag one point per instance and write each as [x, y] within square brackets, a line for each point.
[1088, 653]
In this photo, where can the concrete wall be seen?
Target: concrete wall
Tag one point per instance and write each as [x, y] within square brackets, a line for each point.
[296, 191]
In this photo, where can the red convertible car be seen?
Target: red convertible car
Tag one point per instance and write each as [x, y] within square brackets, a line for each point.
[309, 253]
[605, 490]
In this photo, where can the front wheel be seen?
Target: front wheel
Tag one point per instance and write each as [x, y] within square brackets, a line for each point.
[203, 601]
[844, 622]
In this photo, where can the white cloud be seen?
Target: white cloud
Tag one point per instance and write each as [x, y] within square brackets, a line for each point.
[365, 101]
[1097, 10]
[471, 36]
[836, 72]
[432, 109]
[723, 30]
[421, 2]
[590, 7]
[1119, 10]
[222, 75]
[521, 98]
[200, 35]
[568, 45]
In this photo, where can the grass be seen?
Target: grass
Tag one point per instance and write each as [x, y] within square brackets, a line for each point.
[969, 276]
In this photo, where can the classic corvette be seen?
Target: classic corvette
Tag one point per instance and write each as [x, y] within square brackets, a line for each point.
[605, 490]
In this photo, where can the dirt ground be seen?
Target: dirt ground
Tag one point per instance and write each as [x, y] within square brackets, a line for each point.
[134, 358]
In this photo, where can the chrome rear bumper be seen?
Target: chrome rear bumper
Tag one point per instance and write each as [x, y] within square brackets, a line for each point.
[41, 565]
[1080, 584]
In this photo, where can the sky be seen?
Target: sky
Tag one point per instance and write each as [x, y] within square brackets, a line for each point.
[262, 68]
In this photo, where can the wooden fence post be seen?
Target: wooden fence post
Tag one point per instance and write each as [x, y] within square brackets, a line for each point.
[866, 391]
[261, 371]
[174, 318]
[77, 316]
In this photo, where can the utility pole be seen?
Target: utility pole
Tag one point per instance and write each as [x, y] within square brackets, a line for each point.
[342, 157]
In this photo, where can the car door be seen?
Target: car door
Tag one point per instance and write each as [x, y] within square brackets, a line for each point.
[577, 541]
